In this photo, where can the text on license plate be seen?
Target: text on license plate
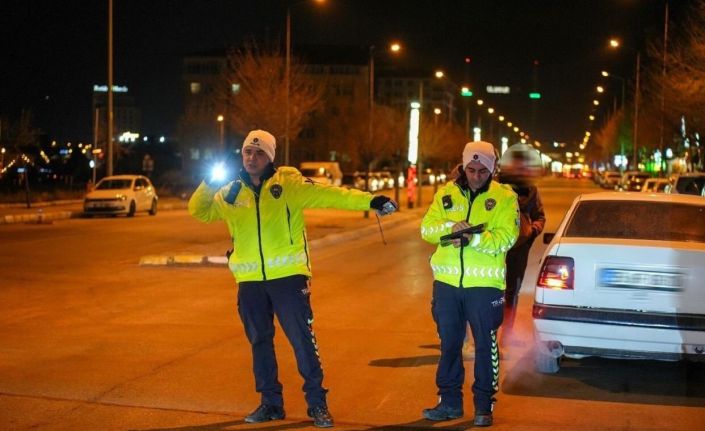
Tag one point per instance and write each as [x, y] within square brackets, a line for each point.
[654, 280]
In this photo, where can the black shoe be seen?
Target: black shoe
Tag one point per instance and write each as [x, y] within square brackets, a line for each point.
[443, 413]
[264, 413]
[482, 419]
[321, 416]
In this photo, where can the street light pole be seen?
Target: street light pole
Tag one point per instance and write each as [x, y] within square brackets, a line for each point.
[110, 89]
[221, 120]
[636, 110]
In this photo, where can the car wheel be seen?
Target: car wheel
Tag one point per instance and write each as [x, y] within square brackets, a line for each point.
[153, 208]
[133, 208]
[545, 362]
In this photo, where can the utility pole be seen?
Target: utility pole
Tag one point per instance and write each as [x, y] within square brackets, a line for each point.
[110, 88]
[663, 88]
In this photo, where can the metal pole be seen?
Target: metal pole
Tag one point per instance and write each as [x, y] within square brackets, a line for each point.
[370, 114]
[110, 88]
[636, 110]
[419, 165]
[95, 140]
[371, 101]
[222, 136]
[663, 88]
[287, 79]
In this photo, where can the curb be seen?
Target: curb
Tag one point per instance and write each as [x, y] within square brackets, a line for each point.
[40, 216]
[183, 260]
[201, 260]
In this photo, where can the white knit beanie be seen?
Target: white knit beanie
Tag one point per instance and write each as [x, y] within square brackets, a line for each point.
[262, 140]
[479, 151]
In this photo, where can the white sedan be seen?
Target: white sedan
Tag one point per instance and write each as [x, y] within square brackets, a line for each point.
[623, 277]
[121, 194]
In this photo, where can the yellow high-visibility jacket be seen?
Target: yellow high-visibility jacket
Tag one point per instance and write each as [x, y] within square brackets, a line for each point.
[269, 236]
[482, 262]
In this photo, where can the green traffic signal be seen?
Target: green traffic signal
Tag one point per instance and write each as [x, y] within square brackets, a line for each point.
[534, 95]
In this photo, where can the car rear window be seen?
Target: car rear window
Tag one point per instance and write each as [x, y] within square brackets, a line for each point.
[690, 185]
[661, 221]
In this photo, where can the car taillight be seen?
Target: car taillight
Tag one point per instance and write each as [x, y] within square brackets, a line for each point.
[557, 273]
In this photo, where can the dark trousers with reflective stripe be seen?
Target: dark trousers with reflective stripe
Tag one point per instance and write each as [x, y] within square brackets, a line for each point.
[452, 309]
[289, 299]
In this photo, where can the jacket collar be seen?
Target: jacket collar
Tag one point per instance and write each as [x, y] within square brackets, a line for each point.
[269, 172]
[462, 182]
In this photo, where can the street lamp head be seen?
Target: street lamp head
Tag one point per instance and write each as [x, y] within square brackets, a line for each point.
[395, 47]
[600, 89]
[614, 43]
[437, 111]
[605, 73]
[220, 118]
[490, 110]
[480, 102]
[595, 102]
[501, 118]
[439, 74]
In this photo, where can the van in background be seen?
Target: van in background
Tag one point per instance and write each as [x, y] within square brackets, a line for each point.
[323, 172]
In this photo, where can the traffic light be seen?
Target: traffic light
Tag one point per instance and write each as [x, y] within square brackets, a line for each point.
[466, 92]
[534, 95]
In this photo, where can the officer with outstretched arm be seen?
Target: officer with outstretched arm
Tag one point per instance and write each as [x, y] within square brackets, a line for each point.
[263, 209]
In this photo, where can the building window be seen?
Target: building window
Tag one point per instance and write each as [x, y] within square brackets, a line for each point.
[195, 87]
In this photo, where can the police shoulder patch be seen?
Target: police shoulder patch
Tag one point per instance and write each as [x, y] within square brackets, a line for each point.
[447, 202]
[276, 190]
[490, 204]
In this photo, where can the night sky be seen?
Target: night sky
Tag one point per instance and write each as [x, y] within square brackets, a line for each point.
[54, 51]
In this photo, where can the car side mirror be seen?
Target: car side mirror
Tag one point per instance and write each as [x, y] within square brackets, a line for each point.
[548, 237]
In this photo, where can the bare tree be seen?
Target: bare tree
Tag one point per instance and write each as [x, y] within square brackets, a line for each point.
[683, 84]
[260, 101]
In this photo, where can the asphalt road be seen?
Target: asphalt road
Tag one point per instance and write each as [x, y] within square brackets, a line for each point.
[90, 340]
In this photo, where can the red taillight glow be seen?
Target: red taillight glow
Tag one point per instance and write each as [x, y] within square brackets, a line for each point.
[557, 273]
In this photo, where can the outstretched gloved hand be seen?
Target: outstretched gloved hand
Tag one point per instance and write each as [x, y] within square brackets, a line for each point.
[383, 205]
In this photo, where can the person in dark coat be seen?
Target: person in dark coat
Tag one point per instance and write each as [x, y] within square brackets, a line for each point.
[518, 174]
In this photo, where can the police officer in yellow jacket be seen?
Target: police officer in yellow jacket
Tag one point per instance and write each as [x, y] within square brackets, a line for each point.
[469, 277]
[263, 210]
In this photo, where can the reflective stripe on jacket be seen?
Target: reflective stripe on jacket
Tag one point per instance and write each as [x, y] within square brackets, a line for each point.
[481, 263]
[269, 236]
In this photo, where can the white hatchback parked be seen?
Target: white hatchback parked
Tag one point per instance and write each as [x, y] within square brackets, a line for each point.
[623, 277]
[121, 194]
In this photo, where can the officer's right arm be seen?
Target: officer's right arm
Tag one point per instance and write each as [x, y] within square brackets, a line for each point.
[205, 204]
[435, 224]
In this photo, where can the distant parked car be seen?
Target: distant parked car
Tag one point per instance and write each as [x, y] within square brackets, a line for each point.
[121, 194]
[655, 185]
[374, 185]
[633, 181]
[622, 278]
[691, 183]
[386, 179]
[610, 180]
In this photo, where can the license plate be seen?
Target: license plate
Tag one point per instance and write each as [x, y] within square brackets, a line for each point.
[631, 279]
